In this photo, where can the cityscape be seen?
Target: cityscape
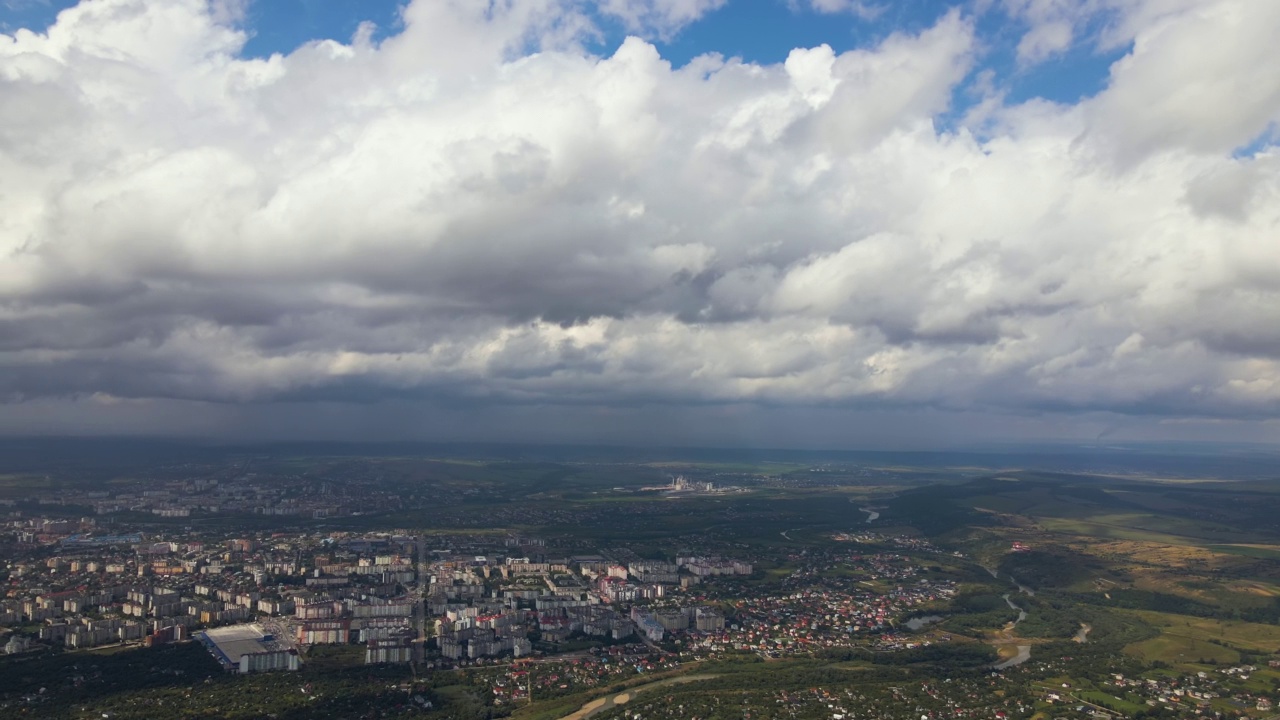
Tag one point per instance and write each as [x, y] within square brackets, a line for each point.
[934, 604]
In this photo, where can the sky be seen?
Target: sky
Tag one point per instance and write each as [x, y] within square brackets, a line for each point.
[778, 223]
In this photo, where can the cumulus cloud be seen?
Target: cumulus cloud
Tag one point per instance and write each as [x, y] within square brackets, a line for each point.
[1197, 80]
[1045, 40]
[858, 8]
[660, 18]
[478, 209]
[1051, 25]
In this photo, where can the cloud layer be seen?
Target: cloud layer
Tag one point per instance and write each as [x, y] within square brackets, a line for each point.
[478, 209]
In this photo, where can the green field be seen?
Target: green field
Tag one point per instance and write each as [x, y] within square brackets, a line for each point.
[1110, 701]
[1180, 650]
[1186, 640]
[1147, 528]
[1254, 637]
[1254, 551]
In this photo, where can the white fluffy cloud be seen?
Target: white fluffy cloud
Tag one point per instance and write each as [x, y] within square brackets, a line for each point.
[864, 9]
[662, 18]
[477, 208]
[1051, 24]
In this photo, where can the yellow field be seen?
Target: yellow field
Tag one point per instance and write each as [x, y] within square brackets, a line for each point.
[1253, 587]
[1182, 557]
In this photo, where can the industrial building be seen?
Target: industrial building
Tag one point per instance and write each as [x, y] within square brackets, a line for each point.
[246, 649]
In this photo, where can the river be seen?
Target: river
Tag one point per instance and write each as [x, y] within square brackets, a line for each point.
[872, 515]
[1024, 654]
[1022, 614]
[1024, 651]
[1021, 588]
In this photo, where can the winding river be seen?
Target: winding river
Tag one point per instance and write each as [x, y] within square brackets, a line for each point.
[1022, 614]
[1024, 654]
[1024, 651]
[1021, 588]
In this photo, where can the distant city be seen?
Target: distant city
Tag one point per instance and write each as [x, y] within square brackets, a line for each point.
[482, 587]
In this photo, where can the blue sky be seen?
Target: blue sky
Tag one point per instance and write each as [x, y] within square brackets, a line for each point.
[762, 31]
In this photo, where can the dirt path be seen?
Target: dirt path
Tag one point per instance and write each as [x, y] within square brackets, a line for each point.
[600, 705]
